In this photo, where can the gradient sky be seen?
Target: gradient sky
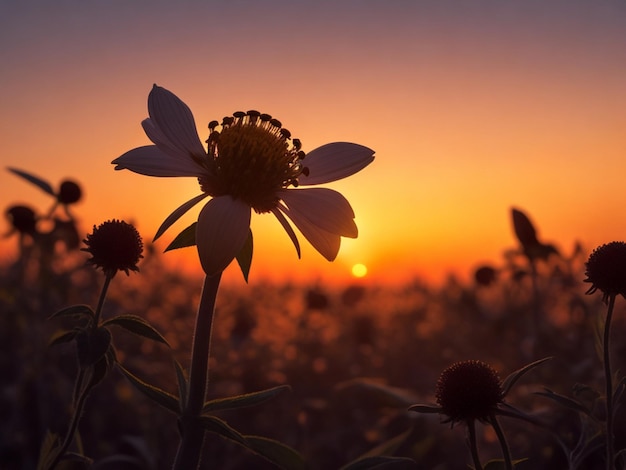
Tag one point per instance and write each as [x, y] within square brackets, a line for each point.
[472, 108]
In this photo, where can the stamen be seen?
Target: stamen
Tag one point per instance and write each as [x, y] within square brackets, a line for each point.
[253, 157]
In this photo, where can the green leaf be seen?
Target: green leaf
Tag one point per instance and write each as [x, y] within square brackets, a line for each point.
[183, 385]
[138, 326]
[515, 376]
[48, 450]
[40, 183]
[74, 310]
[163, 398]
[381, 455]
[381, 462]
[425, 408]
[240, 401]
[92, 345]
[218, 426]
[276, 452]
[244, 257]
[375, 394]
[184, 239]
[61, 337]
[567, 402]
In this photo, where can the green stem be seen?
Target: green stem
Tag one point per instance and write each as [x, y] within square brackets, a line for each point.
[506, 453]
[471, 428]
[78, 412]
[103, 294]
[610, 451]
[190, 447]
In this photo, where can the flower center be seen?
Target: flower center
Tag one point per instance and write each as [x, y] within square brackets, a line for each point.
[253, 157]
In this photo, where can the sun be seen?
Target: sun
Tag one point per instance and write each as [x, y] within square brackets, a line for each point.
[359, 270]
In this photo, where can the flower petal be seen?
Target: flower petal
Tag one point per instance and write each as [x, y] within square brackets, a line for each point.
[285, 223]
[326, 243]
[223, 227]
[149, 160]
[177, 214]
[174, 120]
[334, 161]
[323, 207]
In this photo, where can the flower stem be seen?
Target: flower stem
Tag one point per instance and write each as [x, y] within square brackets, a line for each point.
[506, 453]
[103, 294]
[80, 399]
[190, 447]
[610, 451]
[471, 428]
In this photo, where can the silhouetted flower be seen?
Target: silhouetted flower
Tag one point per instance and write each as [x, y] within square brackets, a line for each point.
[251, 163]
[485, 275]
[114, 246]
[22, 218]
[469, 390]
[606, 270]
[69, 192]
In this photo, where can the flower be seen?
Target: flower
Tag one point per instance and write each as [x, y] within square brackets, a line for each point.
[23, 219]
[69, 192]
[469, 390]
[114, 246]
[251, 163]
[606, 270]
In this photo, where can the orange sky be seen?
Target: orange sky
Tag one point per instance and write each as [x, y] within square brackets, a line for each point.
[472, 107]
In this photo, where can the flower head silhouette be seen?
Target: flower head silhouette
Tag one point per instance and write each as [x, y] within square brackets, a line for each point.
[251, 163]
[606, 270]
[114, 246]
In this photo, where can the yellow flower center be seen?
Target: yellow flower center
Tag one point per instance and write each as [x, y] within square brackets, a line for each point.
[253, 157]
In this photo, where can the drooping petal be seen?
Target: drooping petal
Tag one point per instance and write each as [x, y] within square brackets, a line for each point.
[177, 214]
[223, 226]
[149, 160]
[285, 223]
[335, 161]
[322, 207]
[174, 120]
[326, 243]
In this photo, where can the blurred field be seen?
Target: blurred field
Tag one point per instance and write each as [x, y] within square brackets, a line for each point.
[319, 339]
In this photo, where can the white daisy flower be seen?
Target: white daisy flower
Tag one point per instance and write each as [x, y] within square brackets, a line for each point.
[251, 163]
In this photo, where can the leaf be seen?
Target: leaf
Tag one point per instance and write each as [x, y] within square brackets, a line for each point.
[425, 408]
[218, 426]
[524, 229]
[183, 385]
[276, 452]
[241, 401]
[40, 183]
[138, 326]
[244, 257]
[74, 310]
[92, 345]
[62, 337]
[515, 376]
[375, 394]
[385, 449]
[48, 450]
[184, 239]
[163, 398]
[381, 462]
[565, 401]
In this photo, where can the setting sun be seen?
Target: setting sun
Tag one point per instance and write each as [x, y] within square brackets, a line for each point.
[359, 270]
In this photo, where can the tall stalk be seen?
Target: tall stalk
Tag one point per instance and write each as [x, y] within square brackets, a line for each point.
[192, 438]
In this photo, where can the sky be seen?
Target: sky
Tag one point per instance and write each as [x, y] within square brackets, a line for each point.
[472, 108]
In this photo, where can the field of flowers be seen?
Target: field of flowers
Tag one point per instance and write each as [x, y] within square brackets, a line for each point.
[355, 359]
